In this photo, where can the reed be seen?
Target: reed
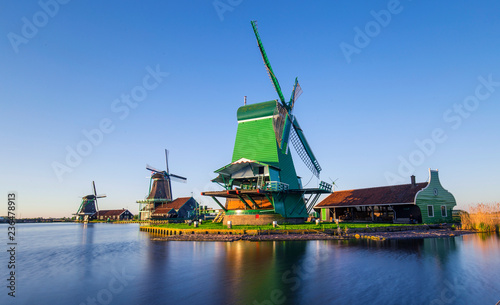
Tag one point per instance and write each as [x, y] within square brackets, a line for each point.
[482, 217]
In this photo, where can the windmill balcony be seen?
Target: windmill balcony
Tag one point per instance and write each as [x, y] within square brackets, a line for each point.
[276, 186]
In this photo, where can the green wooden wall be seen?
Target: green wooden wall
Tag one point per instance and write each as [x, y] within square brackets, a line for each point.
[436, 196]
[256, 140]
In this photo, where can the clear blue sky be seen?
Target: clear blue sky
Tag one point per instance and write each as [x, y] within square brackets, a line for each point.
[414, 70]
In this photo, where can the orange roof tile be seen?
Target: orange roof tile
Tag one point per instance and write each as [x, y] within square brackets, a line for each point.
[108, 213]
[176, 204]
[393, 194]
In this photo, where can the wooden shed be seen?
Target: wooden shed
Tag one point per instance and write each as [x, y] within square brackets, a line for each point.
[426, 202]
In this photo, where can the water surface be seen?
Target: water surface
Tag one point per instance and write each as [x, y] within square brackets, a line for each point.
[118, 264]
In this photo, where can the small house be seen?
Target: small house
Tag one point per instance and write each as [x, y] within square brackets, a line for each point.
[122, 214]
[426, 202]
[180, 208]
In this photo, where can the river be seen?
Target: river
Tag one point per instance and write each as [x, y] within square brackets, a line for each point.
[69, 263]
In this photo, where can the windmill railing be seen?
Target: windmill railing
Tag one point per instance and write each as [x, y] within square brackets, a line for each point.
[325, 186]
[276, 186]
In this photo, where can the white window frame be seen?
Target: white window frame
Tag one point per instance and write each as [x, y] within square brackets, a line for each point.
[445, 211]
[432, 210]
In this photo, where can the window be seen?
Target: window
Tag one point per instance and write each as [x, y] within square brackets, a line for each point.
[443, 211]
[430, 210]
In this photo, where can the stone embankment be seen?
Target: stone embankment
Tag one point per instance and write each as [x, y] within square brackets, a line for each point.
[380, 233]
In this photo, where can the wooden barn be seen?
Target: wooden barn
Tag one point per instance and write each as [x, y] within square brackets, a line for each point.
[122, 214]
[426, 202]
[180, 208]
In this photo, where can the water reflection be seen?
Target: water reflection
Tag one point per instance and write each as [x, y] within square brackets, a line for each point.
[254, 271]
[87, 245]
[68, 264]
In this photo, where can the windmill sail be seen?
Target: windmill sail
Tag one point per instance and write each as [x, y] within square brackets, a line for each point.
[178, 178]
[270, 72]
[297, 91]
[150, 168]
[282, 122]
[285, 125]
[303, 149]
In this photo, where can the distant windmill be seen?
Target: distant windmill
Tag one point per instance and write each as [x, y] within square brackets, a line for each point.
[334, 182]
[89, 207]
[160, 188]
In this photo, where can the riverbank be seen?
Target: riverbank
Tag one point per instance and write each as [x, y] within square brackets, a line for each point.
[379, 235]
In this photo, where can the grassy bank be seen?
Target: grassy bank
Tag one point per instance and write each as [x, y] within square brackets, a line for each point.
[305, 226]
[482, 218]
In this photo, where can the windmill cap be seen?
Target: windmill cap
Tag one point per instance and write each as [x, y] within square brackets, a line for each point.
[258, 110]
[157, 176]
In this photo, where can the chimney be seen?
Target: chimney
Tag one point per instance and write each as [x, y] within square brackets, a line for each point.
[245, 100]
[413, 183]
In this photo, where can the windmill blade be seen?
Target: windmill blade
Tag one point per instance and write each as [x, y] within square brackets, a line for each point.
[296, 92]
[303, 149]
[333, 181]
[279, 119]
[150, 168]
[101, 196]
[274, 80]
[93, 188]
[282, 122]
[286, 133]
[178, 178]
[166, 159]
[95, 195]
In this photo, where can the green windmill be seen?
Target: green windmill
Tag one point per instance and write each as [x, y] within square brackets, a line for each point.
[89, 208]
[261, 184]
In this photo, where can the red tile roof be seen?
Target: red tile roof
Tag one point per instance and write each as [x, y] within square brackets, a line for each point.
[176, 204]
[393, 194]
[108, 213]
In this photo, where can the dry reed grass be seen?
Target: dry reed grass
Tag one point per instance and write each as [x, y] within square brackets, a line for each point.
[482, 217]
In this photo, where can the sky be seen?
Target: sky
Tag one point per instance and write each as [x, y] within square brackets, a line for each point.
[95, 90]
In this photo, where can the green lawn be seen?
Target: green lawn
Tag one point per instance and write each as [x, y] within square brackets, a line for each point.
[310, 226]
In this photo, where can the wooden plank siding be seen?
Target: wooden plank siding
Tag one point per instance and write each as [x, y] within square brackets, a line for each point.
[436, 196]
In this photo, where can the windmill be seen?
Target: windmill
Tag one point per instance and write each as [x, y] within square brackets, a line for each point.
[160, 188]
[261, 178]
[89, 206]
[286, 126]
